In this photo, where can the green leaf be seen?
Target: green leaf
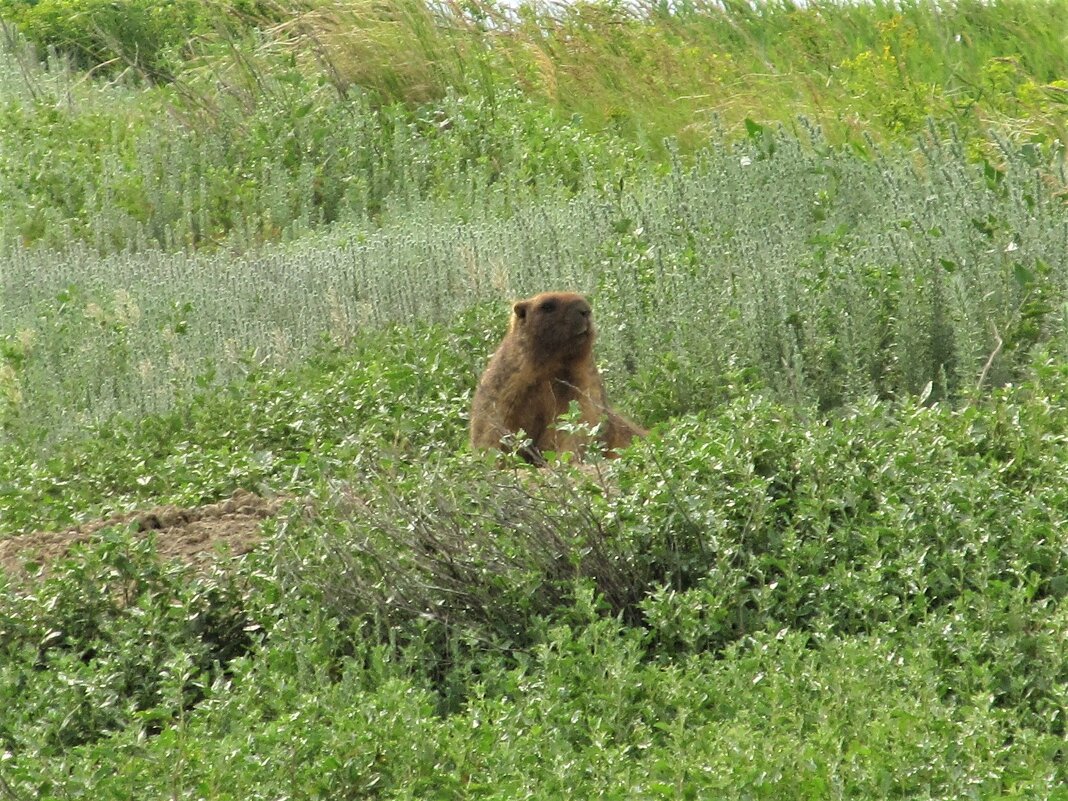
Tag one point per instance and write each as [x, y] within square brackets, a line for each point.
[1024, 277]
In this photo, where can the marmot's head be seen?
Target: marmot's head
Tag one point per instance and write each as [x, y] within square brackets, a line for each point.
[554, 326]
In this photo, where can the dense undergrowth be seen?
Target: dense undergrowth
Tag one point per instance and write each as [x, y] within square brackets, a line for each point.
[251, 247]
[867, 605]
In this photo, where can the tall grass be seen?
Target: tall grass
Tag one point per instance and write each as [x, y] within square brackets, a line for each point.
[661, 69]
[248, 150]
[338, 110]
[830, 274]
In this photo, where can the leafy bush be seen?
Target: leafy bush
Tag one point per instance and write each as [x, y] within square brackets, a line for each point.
[724, 607]
[270, 428]
[149, 37]
[106, 640]
[885, 521]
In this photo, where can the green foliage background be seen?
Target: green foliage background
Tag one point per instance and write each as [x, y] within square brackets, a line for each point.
[270, 247]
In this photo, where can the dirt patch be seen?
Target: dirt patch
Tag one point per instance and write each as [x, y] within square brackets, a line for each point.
[191, 535]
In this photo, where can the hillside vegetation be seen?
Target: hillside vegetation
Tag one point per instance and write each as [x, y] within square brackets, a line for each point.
[195, 123]
[268, 248]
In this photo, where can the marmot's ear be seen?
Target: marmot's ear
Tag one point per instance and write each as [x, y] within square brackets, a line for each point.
[520, 309]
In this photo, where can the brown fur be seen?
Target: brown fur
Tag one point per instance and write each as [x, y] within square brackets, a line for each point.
[544, 363]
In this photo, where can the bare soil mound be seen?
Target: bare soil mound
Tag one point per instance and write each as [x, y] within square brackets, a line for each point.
[191, 535]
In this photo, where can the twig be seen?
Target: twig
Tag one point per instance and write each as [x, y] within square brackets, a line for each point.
[989, 361]
[14, 46]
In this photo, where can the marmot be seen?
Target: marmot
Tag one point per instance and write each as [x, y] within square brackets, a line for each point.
[544, 363]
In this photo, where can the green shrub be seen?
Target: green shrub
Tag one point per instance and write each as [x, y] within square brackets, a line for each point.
[109, 638]
[151, 38]
[884, 521]
[758, 597]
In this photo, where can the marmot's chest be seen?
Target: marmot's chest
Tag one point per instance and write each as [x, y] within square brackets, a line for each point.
[564, 384]
[553, 390]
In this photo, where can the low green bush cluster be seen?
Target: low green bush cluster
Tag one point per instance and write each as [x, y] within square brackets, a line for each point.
[152, 38]
[108, 637]
[757, 598]
[410, 389]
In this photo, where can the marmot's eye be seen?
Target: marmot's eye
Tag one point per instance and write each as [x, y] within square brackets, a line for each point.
[548, 306]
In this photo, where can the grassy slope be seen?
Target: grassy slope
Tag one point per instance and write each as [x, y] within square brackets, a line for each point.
[354, 111]
[764, 600]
